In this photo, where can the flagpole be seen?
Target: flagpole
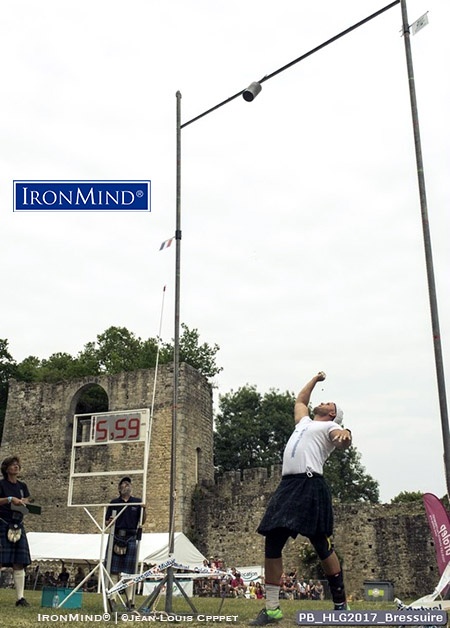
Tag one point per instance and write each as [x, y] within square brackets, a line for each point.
[439, 362]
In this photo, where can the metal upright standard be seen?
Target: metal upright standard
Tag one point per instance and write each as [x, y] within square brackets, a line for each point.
[439, 362]
[249, 94]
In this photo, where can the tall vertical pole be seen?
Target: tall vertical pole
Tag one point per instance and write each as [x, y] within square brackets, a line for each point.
[428, 252]
[176, 361]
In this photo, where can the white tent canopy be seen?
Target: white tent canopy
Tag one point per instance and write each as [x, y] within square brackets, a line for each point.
[153, 548]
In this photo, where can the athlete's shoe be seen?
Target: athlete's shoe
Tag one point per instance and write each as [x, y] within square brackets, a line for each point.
[267, 616]
[22, 602]
[343, 606]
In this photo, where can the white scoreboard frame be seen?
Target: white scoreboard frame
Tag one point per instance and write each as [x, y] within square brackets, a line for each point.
[86, 435]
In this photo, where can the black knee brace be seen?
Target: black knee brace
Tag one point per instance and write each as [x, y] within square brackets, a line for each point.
[337, 589]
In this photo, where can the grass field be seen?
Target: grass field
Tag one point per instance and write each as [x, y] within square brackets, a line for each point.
[235, 612]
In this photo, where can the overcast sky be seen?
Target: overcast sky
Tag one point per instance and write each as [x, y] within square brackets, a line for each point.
[302, 243]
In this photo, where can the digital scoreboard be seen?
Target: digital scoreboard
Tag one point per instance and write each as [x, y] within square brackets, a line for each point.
[112, 427]
[117, 427]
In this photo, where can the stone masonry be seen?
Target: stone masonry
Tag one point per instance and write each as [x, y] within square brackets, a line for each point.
[39, 425]
[377, 542]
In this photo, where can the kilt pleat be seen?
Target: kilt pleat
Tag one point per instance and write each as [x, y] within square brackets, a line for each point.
[302, 505]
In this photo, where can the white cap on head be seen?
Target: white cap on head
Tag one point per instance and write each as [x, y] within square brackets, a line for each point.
[339, 415]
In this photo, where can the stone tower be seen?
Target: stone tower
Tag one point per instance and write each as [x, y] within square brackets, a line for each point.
[39, 426]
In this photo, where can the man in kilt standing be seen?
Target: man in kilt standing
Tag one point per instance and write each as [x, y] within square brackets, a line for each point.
[124, 550]
[301, 503]
[14, 550]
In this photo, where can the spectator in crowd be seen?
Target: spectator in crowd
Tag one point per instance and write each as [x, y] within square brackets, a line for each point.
[63, 578]
[215, 586]
[259, 591]
[287, 587]
[319, 590]
[205, 589]
[237, 586]
[214, 562]
[91, 585]
[312, 593]
[79, 575]
[301, 589]
[252, 590]
[225, 586]
[49, 579]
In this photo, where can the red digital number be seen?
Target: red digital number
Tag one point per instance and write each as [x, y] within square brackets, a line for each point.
[120, 430]
[101, 430]
[134, 428]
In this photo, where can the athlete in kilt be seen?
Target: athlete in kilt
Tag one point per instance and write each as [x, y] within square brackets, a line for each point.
[301, 503]
[14, 550]
[124, 551]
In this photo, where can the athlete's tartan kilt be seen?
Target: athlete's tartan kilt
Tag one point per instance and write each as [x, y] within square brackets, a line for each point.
[125, 563]
[13, 553]
[301, 504]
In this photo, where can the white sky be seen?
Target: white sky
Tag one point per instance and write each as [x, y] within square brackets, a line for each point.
[302, 240]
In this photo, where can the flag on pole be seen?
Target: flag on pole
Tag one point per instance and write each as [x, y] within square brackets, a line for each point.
[166, 244]
[419, 24]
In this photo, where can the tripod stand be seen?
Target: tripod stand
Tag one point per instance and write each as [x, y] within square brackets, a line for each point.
[168, 581]
[105, 581]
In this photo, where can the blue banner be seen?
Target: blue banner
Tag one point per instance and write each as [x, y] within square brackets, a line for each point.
[82, 196]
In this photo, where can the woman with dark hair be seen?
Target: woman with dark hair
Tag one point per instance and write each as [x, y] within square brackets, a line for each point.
[14, 550]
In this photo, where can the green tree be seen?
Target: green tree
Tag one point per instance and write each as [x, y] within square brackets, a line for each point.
[149, 353]
[57, 367]
[201, 356]
[115, 350]
[28, 369]
[88, 360]
[347, 477]
[121, 350]
[236, 439]
[251, 430]
[118, 350]
[407, 496]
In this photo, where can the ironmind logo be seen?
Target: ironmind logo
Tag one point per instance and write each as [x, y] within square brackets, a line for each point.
[82, 196]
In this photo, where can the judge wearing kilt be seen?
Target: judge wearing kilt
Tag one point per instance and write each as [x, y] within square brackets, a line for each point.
[14, 550]
[124, 543]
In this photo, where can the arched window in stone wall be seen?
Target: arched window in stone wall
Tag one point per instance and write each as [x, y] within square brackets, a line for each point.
[89, 399]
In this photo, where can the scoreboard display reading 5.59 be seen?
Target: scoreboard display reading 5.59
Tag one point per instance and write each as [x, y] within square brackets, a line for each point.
[115, 428]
